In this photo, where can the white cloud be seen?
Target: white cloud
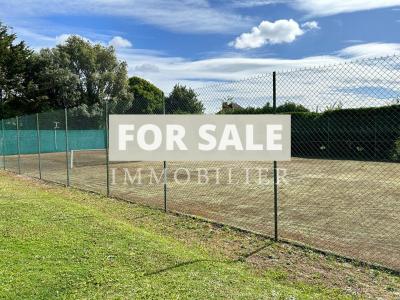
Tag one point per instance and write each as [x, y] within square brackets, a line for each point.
[119, 42]
[323, 7]
[166, 71]
[370, 50]
[332, 7]
[278, 32]
[254, 3]
[192, 16]
[61, 39]
[147, 68]
[177, 15]
[314, 88]
[332, 83]
[27, 34]
[362, 83]
[353, 41]
[311, 25]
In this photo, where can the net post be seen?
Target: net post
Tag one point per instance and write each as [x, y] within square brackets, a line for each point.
[39, 145]
[66, 144]
[106, 115]
[71, 159]
[165, 173]
[276, 234]
[3, 144]
[18, 146]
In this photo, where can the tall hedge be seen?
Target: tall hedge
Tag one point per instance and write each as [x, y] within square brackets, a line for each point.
[363, 133]
[360, 133]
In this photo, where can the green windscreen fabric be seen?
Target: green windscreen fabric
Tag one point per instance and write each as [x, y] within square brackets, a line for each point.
[86, 134]
[52, 140]
[53, 143]
[11, 144]
[2, 145]
[28, 142]
[23, 138]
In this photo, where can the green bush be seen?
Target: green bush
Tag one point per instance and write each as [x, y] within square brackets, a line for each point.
[396, 151]
[363, 133]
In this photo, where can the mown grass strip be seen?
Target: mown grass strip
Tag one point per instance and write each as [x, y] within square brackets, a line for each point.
[58, 246]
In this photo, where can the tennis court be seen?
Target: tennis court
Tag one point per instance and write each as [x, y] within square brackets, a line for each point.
[342, 187]
[347, 207]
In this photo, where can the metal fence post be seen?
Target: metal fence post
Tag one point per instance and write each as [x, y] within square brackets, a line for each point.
[165, 186]
[39, 146]
[165, 172]
[3, 144]
[276, 235]
[329, 150]
[66, 144]
[375, 141]
[18, 147]
[107, 147]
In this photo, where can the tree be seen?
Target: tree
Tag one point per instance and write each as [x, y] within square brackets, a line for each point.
[53, 85]
[183, 100]
[291, 107]
[288, 107]
[231, 109]
[14, 58]
[148, 98]
[79, 73]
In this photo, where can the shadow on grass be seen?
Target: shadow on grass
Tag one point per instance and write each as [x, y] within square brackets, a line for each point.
[241, 258]
[143, 216]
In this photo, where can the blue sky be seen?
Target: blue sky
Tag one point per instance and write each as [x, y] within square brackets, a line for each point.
[196, 42]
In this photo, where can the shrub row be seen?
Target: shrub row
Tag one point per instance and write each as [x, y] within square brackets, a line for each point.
[360, 133]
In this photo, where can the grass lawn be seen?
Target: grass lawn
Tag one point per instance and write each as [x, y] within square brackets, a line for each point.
[62, 243]
[345, 206]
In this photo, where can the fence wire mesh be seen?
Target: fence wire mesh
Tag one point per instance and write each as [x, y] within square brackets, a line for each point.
[2, 145]
[11, 160]
[148, 187]
[343, 188]
[228, 197]
[52, 140]
[340, 192]
[87, 143]
[28, 144]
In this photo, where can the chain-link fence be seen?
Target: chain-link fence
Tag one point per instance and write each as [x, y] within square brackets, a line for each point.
[343, 190]
[339, 193]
